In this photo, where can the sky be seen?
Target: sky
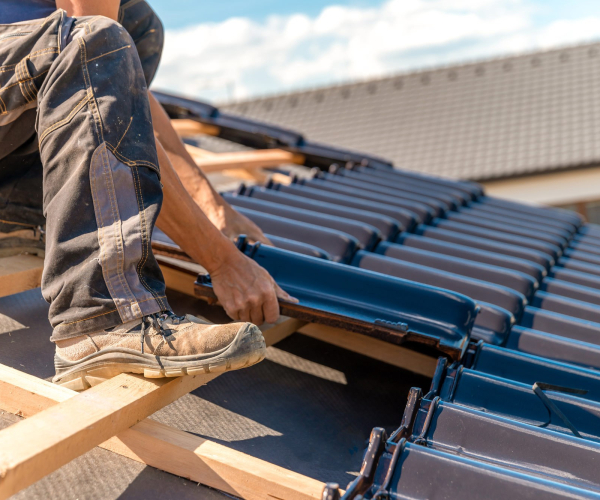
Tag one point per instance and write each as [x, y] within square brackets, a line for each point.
[238, 49]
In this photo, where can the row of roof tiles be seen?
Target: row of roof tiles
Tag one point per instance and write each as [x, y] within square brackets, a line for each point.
[510, 293]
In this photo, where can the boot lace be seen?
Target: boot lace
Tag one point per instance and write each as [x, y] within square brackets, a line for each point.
[157, 321]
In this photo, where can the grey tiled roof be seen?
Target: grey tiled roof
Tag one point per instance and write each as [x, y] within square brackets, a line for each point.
[496, 118]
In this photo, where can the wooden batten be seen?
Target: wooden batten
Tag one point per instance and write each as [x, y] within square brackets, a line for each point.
[244, 159]
[19, 273]
[374, 348]
[253, 175]
[33, 448]
[186, 127]
[166, 448]
[198, 153]
[177, 276]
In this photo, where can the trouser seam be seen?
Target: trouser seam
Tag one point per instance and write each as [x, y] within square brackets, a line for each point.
[37, 53]
[124, 133]
[117, 240]
[22, 78]
[133, 163]
[108, 53]
[67, 119]
[101, 314]
[144, 235]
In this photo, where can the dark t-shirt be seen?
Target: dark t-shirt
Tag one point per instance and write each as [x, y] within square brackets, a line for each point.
[14, 11]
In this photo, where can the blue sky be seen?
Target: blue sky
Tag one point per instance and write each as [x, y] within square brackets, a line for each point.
[237, 49]
[182, 13]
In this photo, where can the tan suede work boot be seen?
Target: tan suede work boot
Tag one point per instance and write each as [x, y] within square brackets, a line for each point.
[161, 345]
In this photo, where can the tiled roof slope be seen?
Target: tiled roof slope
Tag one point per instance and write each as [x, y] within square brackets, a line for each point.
[509, 292]
[491, 119]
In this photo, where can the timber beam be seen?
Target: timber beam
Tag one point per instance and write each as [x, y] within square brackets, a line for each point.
[148, 442]
[186, 127]
[245, 160]
[19, 273]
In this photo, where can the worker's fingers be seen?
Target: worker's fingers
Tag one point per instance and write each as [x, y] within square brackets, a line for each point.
[254, 234]
[271, 309]
[256, 315]
[283, 295]
[244, 315]
[262, 239]
[231, 311]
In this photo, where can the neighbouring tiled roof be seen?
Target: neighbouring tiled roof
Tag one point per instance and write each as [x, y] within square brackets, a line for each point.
[496, 118]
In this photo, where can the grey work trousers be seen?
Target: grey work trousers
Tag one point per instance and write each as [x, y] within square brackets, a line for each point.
[77, 153]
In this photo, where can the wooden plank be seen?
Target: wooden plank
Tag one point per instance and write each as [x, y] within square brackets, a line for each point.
[373, 348]
[214, 465]
[284, 327]
[19, 273]
[247, 160]
[186, 127]
[255, 175]
[177, 277]
[198, 153]
[169, 449]
[38, 446]
[281, 178]
[26, 395]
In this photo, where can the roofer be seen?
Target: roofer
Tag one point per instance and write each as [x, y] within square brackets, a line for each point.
[78, 154]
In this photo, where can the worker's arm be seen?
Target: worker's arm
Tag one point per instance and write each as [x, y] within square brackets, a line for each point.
[245, 290]
[220, 213]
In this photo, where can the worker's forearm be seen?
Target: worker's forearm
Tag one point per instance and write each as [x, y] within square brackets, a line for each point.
[185, 223]
[108, 8]
[230, 222]
[193, 179]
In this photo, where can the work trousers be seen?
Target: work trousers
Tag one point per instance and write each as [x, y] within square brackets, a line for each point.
[78, 155]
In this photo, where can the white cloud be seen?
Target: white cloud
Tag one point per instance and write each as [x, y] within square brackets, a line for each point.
[239, 57]
[569, 31]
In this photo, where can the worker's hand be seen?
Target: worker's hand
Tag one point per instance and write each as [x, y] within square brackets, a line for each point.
[232, 223]
[246, 291]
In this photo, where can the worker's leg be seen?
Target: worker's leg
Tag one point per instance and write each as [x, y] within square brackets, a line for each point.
[102, 192]
[147, 32]
[21, 212]
[101, 197]
[20, 165]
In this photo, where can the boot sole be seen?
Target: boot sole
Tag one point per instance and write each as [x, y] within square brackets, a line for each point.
[247, 348]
